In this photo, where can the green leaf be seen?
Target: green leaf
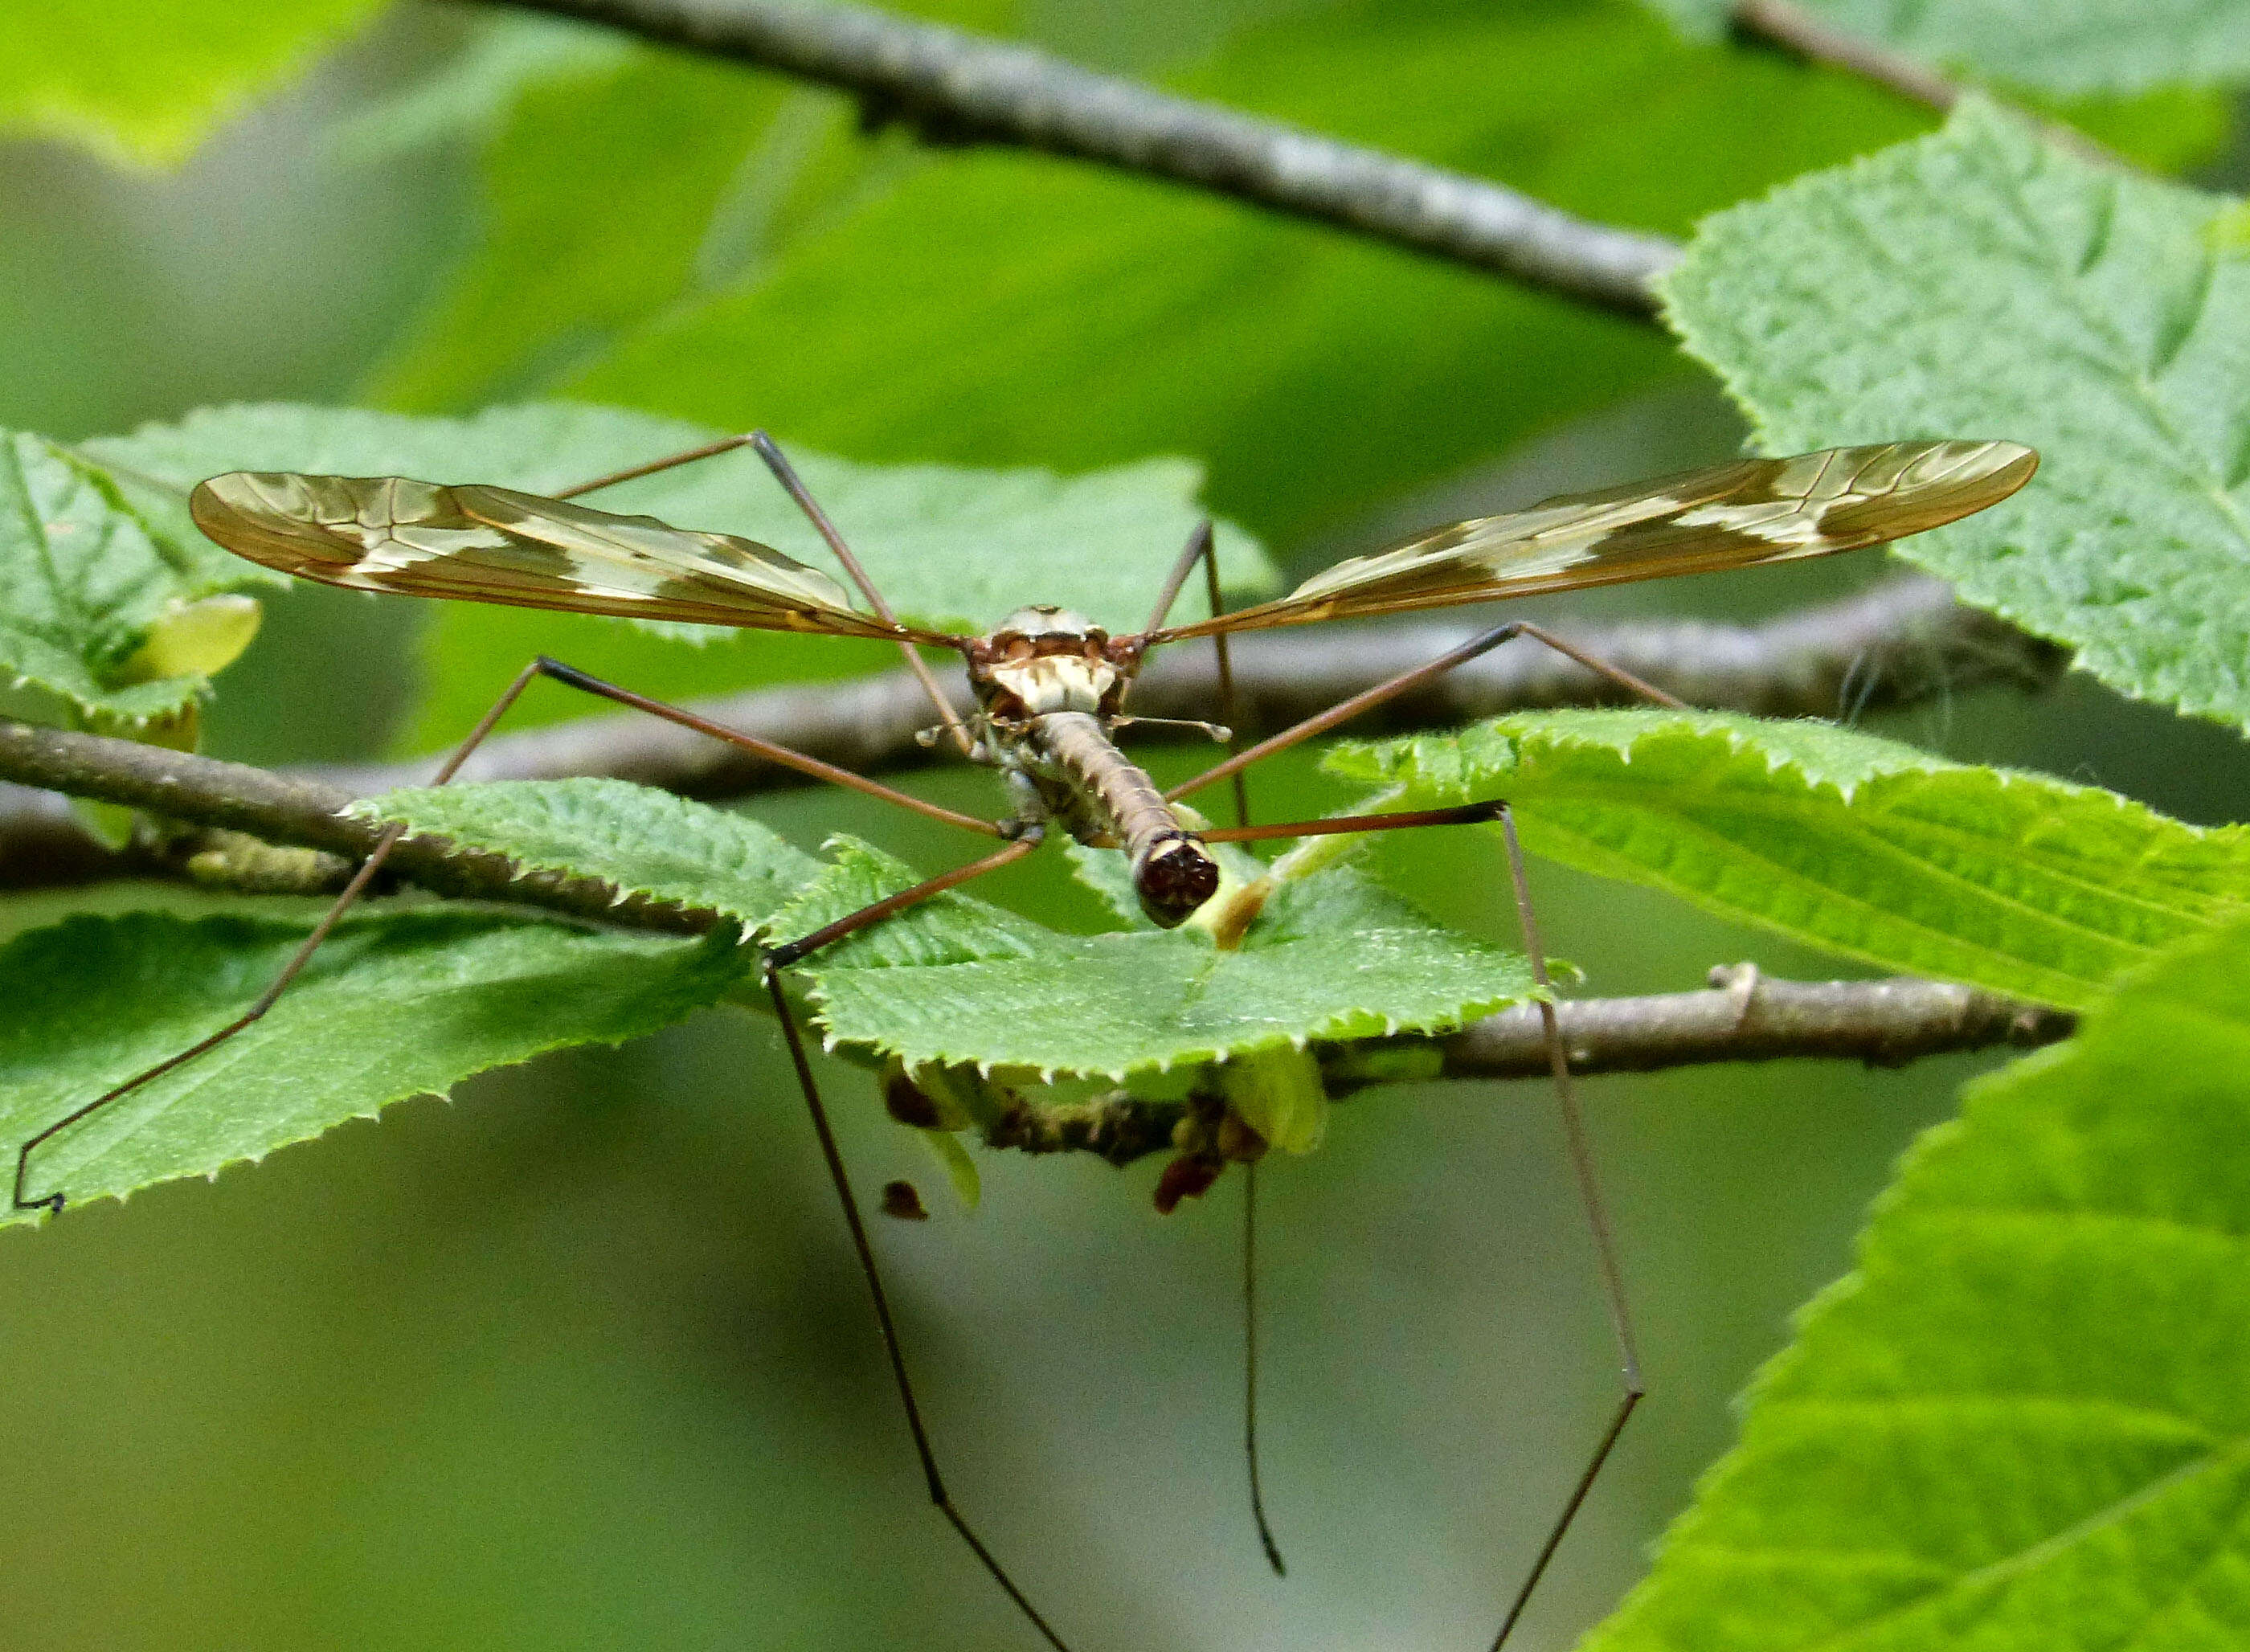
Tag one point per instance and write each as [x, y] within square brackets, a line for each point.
[1978, 283]
[2086, 46]
[2008, 880]
[951, 548]
[955, 981]
[648, 843]
[1331, 957]
[395, 1004]
[2025, 1420]
[1051, 312]
[652, 843]
[83, 579]
[672, 134]
[144, 83]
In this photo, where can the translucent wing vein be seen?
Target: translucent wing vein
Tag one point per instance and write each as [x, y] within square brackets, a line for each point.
[494, 545]
[1731, 516]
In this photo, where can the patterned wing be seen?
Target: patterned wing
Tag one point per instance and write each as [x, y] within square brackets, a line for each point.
[1731, 516]
[493, 545]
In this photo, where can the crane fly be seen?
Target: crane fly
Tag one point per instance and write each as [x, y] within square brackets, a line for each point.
[1051, 689]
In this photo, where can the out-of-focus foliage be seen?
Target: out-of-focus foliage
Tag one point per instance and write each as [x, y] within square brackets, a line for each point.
[2024, 1410]
[2112, 46]
[146, 82]
[999, 307]
[1981, 281]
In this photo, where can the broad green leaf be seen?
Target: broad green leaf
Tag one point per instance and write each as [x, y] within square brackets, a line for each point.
[1978, 283]
[2070, 50]
[648, 843]
[950, 547]
[1331, 957]
[395, 1004]
[144, 83]
[2025, 1420]
[999, 308]
[958, 982]
[652, 843]
[470, 91]
[671, 133]
[2008, 880]
[84, 578]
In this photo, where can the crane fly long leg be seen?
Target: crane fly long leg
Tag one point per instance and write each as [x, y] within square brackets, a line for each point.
[290, 971]
[1456, 815]
[570, 677]
[793, 485]
[1367, 700]
[1201, 549]
[776, 959]
[786, 474]
[688, 456]
[790, 952]
[1598, 1223]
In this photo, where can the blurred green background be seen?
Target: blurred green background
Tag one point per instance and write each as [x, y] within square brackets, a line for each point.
[581, 1360]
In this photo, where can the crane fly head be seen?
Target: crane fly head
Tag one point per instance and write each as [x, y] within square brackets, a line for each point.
[1043, 660]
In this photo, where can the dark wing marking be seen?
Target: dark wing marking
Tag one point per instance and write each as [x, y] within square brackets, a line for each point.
[494, 545]
[1731, 516]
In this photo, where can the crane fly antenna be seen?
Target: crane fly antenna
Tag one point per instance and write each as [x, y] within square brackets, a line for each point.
[785, 473]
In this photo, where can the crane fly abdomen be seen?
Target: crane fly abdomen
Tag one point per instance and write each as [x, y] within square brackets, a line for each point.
[1173, 873]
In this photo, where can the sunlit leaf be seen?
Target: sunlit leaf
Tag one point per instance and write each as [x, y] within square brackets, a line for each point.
[145, 82]
[2008, 880]
[2021, 1422]
[84, 578]
[959, 982]
[1981, 283]
[395, 1004]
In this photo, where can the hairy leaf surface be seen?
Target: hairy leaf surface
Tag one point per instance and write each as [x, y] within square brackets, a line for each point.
[959, 981]
[2024, 1419]
[1980, 282]
[395, 1004]
[83, 576]
[2005, 879]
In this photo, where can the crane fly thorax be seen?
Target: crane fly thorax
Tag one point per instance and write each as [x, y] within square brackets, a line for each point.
[1050, 660]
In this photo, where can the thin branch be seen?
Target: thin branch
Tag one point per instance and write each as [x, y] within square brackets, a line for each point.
[1901, 640]
[307, 813]
[1796, 30]
[1799, 32]
[955, 87]
[1741, 1016]
[1745, 1018]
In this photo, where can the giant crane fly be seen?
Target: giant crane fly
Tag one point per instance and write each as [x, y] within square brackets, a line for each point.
[1050, 688]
